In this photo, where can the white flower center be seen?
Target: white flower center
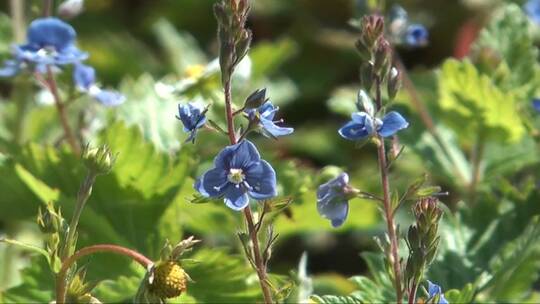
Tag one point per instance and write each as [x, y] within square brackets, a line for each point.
[236, 176]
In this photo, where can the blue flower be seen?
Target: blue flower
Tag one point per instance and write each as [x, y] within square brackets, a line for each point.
[364, 125]
[192, 116]
[532, 9]
[333, 199]
[436, 290]
[51, 42]
[239, 173]
[536, 104]
[264, 117]
[416, 35]
[84, 77]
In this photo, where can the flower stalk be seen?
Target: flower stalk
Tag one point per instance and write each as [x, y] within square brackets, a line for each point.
[234, 40]
[60, 107]
[387, 205]
[61, 278]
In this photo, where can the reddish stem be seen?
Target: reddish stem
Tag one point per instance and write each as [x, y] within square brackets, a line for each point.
[388, 210]
[51, 85]
[66, 265]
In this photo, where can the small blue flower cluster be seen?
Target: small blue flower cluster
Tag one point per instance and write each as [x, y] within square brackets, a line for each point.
[51, 46]
[239, 172]
[404, 32]
[333, 197]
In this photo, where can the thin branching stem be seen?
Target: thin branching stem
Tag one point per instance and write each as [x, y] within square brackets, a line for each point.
[61, 278]
[257, 257]
[387, 204]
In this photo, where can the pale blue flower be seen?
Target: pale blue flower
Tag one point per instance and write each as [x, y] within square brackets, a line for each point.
[238, 173]
[333, 199]
[434, 290]
[192, 116]
[416, 35]
[364, 125]
[51, 43]
[84, 77]
[264, 117]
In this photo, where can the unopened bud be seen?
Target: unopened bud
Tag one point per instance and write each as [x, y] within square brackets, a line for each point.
[382, 57]
[364, 103]
[49, 220]
[366, 75]
[256, 99]
[394, 82]
[98, 160]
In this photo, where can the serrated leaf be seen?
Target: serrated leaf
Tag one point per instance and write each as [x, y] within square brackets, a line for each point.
[336, 300]
[509, 36]
[468, 96]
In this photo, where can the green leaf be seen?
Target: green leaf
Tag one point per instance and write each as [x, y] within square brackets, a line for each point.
[336, 299]
[37, 286]
[467, 95]
[174, 43]
[510, 37]
[267, 57]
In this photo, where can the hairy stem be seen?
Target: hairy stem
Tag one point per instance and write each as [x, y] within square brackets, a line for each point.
[53, 88]
[257, 257]
[61, 278]
[412, 293]
[84, 193]
[388, 209]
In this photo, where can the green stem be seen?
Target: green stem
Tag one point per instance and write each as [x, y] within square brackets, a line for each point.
[61, 278]
[84, 193]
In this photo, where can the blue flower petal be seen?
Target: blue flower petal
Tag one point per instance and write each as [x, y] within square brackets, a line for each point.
[236, 198]
[213, 183]
[392, 122]
[70, 55]
[109, 98]
[353, 131]
[433, 289]
[245, 154]
[84, 76]
[273, 129]
[10, 68]
[536, 104]
[268, 111]
[331, 201]
[335, 210]
[50, 32]
[261, 177]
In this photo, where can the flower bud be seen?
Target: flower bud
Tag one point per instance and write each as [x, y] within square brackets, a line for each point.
[366, 75]
[49, 220]
[422, 238]
[98, 160]
[382, 57]
[394, 83]
[256, 99]
[170, 280]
